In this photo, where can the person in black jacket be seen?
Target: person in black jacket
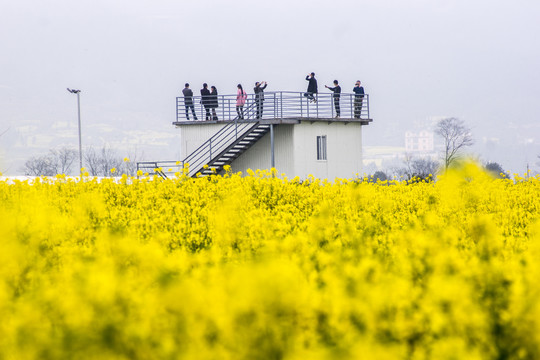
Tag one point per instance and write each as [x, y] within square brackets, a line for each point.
[312, 87]
[358, 99]
[188, 102]
[205, 100]
[214, 102]
[259, 97]
[337, 94]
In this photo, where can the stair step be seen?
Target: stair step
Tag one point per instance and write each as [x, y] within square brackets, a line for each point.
[236, 143]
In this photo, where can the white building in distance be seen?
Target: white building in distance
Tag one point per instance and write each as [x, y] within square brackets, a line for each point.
[421, 141]
[286, 131]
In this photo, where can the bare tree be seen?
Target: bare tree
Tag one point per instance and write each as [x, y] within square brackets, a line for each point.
[129, 166]
[62, 159]
[456, 137]
[424, 168]
[100, 163]
[419, 168]
[38, 166]
[56, 161]
[92, 161]
[109, 160]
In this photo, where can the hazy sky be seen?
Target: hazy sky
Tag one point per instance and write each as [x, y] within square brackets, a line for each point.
[476, 60]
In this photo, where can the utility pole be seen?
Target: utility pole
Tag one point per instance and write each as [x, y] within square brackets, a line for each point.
[73, 91]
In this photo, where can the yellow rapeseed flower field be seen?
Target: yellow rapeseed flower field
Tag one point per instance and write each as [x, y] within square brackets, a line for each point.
[261, 267]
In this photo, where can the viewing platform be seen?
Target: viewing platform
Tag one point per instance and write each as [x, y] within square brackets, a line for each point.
[279, 107]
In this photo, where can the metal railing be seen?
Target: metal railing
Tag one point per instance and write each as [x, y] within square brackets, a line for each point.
[275, 105]
[161, 168]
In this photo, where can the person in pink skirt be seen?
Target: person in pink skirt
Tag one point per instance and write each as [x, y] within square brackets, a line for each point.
[241, 98]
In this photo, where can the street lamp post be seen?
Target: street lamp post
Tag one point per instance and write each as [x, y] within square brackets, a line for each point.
[73, 91]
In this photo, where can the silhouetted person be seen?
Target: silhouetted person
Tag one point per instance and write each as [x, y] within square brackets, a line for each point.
[312, 87]
[188, 102]
[337, 94]
[358, 99]
[205, 100]
[241, 98]
[214, 102]
[259, 97]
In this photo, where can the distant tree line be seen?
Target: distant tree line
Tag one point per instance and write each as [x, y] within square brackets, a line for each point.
[96, 162]
[456, 137]
[413, 168]
[418, 169]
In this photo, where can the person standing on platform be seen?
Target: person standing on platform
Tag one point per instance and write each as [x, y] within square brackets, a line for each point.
[205, 100]
[337, 94]
[188, 102]
[312, 87]
[259, 97]
[241, 98]
[214, 102]
[358, 99]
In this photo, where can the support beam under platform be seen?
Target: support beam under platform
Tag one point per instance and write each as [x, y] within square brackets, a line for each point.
[277, 121]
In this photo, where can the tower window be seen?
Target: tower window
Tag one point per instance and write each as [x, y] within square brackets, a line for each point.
[321, 147]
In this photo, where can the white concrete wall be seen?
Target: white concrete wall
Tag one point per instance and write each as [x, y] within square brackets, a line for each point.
[295, 149]
[258, 156]
[193, 136]
[343, 145]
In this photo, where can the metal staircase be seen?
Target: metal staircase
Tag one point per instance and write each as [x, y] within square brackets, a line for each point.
[226, 145]
[221, 149]
[234, 150]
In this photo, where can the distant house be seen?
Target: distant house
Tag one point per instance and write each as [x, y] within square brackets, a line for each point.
[293, 135]
[419, 141]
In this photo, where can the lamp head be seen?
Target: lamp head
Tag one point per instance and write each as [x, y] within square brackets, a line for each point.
[73, 91]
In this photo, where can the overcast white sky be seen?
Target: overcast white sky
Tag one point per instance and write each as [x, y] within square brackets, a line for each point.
[473, 59]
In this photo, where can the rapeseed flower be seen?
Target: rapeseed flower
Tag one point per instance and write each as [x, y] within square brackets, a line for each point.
[265, 267]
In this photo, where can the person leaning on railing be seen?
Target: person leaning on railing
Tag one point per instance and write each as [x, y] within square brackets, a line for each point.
[358, 99]
[188, 102]
[259, 97]
[337, 94]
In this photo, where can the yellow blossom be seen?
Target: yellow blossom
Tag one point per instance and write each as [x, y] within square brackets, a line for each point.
[262, 266]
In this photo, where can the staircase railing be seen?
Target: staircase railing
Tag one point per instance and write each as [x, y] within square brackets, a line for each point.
[221, 140]
[161, 168]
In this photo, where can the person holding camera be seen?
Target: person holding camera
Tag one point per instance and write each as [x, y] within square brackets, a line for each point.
[358, 99]
[312, 87]
[259, 97]
[337, 95]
